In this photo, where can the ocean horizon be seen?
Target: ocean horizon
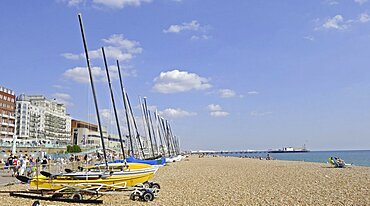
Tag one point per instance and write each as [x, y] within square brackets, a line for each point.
[354, 157]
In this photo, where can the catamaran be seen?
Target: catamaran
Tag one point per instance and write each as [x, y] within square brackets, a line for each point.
[124, 175]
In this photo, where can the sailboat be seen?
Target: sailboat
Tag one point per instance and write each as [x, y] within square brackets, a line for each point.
[100, 176]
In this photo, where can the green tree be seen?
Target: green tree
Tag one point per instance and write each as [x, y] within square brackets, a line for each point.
[73, 149]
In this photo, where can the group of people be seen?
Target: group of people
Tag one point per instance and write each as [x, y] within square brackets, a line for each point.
[23, 165]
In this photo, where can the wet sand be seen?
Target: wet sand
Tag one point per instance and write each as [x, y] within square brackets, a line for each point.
[239, 181]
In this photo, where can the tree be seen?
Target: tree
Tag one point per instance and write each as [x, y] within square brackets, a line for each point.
[73, 149]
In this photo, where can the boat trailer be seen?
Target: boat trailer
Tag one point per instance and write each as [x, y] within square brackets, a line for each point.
[89, 193]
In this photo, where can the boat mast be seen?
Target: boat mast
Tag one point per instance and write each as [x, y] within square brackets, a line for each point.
[154, 136]
[93, 88]
[145, 110]
[126, 110]
[171, 137]
[159, 131]
[113, 102]
[166, 137]
[135, 125]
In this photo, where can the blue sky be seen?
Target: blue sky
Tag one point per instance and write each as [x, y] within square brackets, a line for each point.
[227, 74]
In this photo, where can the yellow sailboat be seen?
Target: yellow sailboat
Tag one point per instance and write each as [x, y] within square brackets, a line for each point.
[86, 179]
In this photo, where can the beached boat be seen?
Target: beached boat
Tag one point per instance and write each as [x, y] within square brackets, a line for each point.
[174, 159]
[160, 161]
[127, 178]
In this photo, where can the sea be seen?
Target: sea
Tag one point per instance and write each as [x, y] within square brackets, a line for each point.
[355, 157]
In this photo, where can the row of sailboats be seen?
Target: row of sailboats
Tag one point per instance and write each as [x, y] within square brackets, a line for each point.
[138, 166]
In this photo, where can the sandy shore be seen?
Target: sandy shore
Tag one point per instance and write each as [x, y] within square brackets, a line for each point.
[239, 181]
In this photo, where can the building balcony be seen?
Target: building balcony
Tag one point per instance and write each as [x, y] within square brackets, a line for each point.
[7, 116]
[6, 133]
[4, 124]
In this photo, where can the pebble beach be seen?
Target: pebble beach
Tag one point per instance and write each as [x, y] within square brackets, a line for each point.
[242, 181]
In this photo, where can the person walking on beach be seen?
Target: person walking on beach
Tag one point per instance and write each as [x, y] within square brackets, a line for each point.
[10, 162]
[22, 165]
[16, 166]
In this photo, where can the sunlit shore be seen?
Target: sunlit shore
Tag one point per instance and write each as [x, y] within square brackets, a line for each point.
[243, 181]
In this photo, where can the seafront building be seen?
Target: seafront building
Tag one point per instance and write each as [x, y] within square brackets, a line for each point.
[87, 135]
[7, 115]
[38, 124]
[41, 121]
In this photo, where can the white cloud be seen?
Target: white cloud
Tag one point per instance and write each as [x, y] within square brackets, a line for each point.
[81, 74]
[200, 37]
[63, 98]
[216, 110]
[177, 28]
[360, 1]
[259, 114]
[117, 47]
[175, 113]
[364, 17]
[119, 41]
[219, 114]
[226, 93]
[119, 4]
[71, 56]
[57, 86]
[112, 4]
[337, 22]
[311, 38]
[72, 2]
[179, 81]
[253, 92]
[331, 2]
[214, 107]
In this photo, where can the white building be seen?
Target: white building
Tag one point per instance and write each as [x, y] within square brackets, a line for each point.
[41, 121]
[87, 135]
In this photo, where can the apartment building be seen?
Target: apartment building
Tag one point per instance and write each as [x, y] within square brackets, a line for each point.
[7, 116]
[42, 121]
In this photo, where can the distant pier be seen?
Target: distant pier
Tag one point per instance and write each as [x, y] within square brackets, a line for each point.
[222, 152]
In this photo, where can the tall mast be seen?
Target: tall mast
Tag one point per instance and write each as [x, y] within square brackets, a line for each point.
[113, 102]
[172, 140]
[93, 89]
[170, 136]
[154, 136]
[166, 137]
[126, 109]
[135, 125]
[145, 109]
[159, 131]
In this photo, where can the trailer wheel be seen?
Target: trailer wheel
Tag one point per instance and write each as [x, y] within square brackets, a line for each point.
[76, 196]
[134, 196]
[36, 203]
[146, 185]
[147, 196]
[155, 186]
[57, 196]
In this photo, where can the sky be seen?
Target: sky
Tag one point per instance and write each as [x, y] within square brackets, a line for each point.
[228, 75]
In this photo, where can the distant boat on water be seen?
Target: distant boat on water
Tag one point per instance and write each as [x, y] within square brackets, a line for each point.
[290, 150]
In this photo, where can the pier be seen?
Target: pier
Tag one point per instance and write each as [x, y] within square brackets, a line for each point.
[222, 152]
